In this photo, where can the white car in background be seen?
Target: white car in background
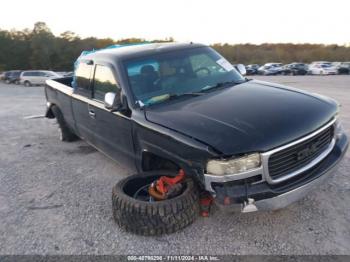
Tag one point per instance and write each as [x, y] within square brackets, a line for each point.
[320, 62]
[322, 69]
[271, 69]
[37, 77]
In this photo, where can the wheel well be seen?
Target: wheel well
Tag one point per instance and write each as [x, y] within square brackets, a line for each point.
[152, 162]
[49, 112]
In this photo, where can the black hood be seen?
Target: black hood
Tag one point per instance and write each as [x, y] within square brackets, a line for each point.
[250, 117]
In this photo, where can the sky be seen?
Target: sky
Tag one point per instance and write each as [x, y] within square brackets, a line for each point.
[205, 21]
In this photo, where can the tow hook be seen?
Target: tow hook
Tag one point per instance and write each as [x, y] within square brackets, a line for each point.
[249, 206]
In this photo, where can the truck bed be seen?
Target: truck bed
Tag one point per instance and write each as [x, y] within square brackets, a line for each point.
[62, 84]
[59, 92]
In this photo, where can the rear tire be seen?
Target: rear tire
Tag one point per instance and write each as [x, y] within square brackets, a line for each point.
[64, 131]
[27, 84]
[153, 218]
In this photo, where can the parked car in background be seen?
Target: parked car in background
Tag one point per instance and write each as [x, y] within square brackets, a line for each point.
[320, 63]
[2, 75]
[5, 75]
[271, 69]
[68, 74]
[296, 69]
[12, 77]
[336, 64]
[65, 74]
[252, 69]
[37, 77]
[344, 68]
[322, 69]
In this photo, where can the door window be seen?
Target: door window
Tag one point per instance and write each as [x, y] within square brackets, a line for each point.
[104, 82]
[34, 73]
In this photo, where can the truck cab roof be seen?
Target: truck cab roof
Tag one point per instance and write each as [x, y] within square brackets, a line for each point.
[133, 51]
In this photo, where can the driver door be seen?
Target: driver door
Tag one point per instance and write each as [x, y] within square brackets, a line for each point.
[113, 130]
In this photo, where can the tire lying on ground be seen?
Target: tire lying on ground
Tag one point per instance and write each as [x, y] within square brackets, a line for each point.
[153, 218]
[65, 133]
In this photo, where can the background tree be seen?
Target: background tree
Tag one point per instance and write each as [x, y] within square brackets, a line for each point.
[40, 49]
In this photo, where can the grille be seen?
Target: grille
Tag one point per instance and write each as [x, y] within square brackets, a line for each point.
[297, 156]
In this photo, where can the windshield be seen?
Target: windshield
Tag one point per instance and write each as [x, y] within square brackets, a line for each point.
[158, 77]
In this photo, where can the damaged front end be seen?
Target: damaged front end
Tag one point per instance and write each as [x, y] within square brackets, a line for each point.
[279, 177]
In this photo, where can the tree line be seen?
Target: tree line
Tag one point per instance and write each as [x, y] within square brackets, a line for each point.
[39, 48]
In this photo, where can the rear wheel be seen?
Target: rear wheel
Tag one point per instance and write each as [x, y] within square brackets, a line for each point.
[135, 211]
[27, 84]
[65, 133]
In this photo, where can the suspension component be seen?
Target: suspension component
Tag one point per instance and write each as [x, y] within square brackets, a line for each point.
[166, 187]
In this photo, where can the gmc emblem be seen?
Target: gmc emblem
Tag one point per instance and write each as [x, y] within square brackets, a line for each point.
[308, 151]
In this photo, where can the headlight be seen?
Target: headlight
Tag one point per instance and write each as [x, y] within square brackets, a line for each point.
[233, 166]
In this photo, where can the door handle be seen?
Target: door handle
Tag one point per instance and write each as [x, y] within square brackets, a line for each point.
[92, 113]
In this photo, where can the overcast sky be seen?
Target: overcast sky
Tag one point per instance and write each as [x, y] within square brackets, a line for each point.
[231, 21]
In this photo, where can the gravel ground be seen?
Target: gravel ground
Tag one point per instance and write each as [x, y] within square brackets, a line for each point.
[55, 198]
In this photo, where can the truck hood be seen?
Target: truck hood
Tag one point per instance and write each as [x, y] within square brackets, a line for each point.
[254, 116]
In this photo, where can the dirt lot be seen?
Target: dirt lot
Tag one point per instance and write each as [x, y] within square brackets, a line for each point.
[55, 198]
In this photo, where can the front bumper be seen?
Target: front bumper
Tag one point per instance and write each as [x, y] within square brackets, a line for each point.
[233, 194]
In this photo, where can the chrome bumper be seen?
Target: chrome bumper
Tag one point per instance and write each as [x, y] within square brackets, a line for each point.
[285, 199]
[292, 196]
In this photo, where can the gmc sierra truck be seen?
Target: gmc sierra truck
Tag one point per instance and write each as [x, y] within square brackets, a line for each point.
[161, 108]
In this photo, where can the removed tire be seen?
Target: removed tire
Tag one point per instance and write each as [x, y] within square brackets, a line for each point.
[65, 133]
[135, 211]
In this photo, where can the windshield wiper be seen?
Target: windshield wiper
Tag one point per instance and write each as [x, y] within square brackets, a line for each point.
[220, 85]
[161, 98]
[186, 94]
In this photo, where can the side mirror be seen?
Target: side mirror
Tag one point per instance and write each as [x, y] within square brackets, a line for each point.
[113, 101]
[241, 69]
[109, 100]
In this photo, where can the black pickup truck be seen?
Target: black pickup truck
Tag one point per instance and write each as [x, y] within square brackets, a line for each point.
[161, 108]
